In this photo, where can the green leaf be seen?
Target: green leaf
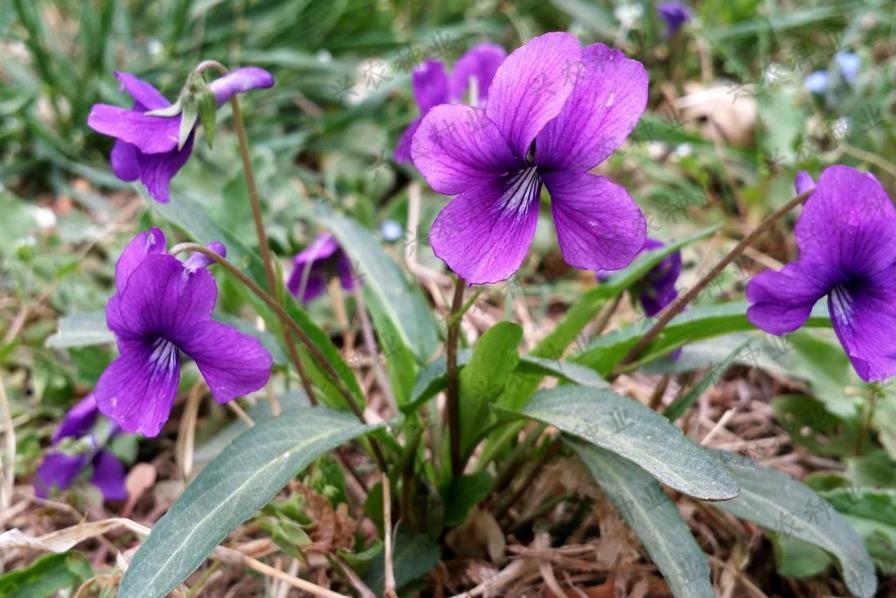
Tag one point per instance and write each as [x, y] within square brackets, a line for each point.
[872, 513]
[241, 480]
[796, 558]
[628, 428]
[780, 503]
[188, 117]
[403, 305]
[400, 360]
[810, 425]
[654, 518]
[677, 408]
[414, 555]
[695, 324]
[565, 370]
[464, 492]
[485, 376]
[81, 330]
[46, 576]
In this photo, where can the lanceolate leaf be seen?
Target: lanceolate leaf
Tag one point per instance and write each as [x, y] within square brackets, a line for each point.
[628, 428]
[694, 324]
[654, 518]
[81, 330]
[684, 402]
[403, 305]
[241, 480]
[780, 503]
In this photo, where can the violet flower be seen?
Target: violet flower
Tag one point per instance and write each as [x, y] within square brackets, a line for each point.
[62, 465]
[433, 86]
[656, 289]
[162, 310]
[146, 146]
[675, 14]
[314, 266]
[555, 111]
[846, 236]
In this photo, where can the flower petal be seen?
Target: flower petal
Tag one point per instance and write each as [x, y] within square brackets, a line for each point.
[781, 301]
[803, 182]
[402, 153]
[240, 81]
[137, 389]
[78, 421]
[484, 234]
[109, 476]
[150, 241]
[599, 226]
[531, 86]
[124, 161]
[848, 223]
[608, 99]
[480, 62]
[458, 147]
[144, 94]
[430, 85]
[157, 170]
[162, 298]
[150, 134]
[232, 363]
[865, 323]
[57, 471]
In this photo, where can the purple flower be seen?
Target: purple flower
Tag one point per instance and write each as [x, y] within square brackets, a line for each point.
[314, 266]
[555, 111]
[846, 236]
[675, 14]
[62, 465]
[817, 82]
[657, 289]
[849, 64]
[433, 86]
[163, 309]
[146, 146]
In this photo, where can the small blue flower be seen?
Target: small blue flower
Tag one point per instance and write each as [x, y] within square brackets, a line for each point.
[391, 230]
[849, 64]
[817, 82]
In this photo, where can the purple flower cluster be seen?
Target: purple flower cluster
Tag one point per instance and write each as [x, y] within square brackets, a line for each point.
[433, 87]
[555, 110]
[63, 464]
[314, 266]
[147, 146]
[162, 310]
[846, 236]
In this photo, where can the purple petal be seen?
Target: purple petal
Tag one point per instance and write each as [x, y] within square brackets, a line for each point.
[803, 182]
[430, 85]
[151, 241]
[675, 14]
[608, 99]
[124, 161]
[137, 389]
[323, 247]
[780, 302]
[480, 62]
[865, 322]
[346, 272]
[144, 94]
[162, 298]
[109, 476]
[655, 300]
[157, 170]
[240, 81]
[200, 260]
[232, 363]
[848, 223]
[78, 421]
[484, 234]
[402, 153]
[150, 134]
[599, 226]
[531, 86]
[58, 471]
[315, 284]
[458, 147]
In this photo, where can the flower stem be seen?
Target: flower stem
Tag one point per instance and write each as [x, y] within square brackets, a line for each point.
[453, 388]
[677, 306]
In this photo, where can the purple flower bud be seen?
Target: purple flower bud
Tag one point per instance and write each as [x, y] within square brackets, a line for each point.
[675, 14]
[314, 266]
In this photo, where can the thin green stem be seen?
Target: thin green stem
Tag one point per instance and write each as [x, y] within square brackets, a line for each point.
[452, 391]
[677, 306]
